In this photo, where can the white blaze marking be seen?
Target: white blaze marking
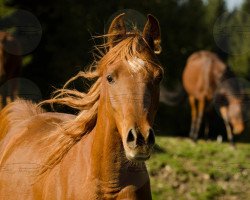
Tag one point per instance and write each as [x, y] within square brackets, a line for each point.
[136, 64]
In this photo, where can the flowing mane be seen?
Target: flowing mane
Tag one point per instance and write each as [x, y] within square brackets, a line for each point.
[70, 132]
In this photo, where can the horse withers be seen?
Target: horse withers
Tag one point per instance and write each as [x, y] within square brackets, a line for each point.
[206, 79]
[10, 65]
[100, 153]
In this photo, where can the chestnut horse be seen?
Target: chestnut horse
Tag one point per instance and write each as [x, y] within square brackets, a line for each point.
[205, 79]
[10, 65]
[100, 153]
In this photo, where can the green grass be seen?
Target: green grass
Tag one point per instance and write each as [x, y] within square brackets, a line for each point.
[206, 170]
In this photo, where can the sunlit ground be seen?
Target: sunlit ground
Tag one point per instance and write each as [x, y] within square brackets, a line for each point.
[181, 169]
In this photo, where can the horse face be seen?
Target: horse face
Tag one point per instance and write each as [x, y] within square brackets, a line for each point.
[235, 116]
[133, 93]
[132, 84]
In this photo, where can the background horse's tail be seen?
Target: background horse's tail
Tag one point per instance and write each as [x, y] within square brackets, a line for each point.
[15, 112]
[172, 98]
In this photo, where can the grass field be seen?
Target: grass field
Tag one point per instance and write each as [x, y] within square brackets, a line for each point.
[206, 170]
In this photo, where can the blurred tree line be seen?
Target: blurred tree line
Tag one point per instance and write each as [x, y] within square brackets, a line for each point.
[187, 26]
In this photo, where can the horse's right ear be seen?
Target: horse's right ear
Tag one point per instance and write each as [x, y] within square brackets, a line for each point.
[152, 34]
[117, 30]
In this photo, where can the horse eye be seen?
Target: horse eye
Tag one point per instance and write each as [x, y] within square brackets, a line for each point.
[110, 79]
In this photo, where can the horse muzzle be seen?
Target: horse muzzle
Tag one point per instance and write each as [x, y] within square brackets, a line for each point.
[138, 147]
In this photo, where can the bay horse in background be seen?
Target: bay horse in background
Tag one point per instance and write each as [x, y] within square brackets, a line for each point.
[10, 65]
[205, 80]
[99, 153]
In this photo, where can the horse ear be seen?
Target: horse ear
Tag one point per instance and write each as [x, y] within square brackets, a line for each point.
[117, 30]
[152, 34]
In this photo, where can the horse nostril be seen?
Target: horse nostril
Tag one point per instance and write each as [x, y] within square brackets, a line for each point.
[151, 137]
[131, 139]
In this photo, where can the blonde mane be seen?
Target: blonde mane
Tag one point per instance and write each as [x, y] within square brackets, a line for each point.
[70, 132]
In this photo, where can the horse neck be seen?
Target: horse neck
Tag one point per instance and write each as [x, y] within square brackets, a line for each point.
[107, 156]
[110, 168]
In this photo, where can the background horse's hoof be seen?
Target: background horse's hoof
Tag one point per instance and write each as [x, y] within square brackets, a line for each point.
[194, 139]
[232, 146]
[219, 139]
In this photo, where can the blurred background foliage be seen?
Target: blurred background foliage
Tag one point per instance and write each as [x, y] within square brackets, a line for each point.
[187, 26]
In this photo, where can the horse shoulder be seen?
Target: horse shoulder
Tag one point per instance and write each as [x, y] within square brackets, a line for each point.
[72, 174]
[25, 145]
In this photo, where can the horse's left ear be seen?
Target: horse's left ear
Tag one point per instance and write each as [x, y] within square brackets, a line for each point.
[117, 31]
[152, 34]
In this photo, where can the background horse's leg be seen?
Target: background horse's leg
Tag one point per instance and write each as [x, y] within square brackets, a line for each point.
[8, 99]
[201, 106]
[13, 90]
[207, 116]
[193, 116]
[1, 102]
[206, 132]
[223, 111]
[4, 96]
